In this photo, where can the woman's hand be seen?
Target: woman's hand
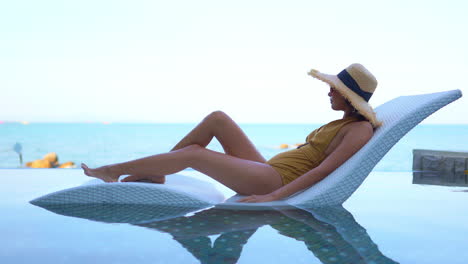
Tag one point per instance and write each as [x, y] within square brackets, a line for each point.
[258, 198]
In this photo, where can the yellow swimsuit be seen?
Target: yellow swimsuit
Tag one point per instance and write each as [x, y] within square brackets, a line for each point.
[294, 163]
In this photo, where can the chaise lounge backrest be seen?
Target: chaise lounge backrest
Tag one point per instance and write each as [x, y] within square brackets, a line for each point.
[399, 116]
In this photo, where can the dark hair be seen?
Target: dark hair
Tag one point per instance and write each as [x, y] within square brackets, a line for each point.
[356, 112]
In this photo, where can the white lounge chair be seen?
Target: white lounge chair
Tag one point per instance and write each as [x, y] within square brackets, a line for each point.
[399, 116]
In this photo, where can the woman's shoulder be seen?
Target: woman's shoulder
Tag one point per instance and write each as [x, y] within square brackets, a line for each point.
[364, 124]
[351, 125]
[362, 127]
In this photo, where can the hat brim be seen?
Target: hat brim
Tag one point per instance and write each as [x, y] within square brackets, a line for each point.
[363, 107]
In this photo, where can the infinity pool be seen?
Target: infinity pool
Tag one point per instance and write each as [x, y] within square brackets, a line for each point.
[392, 218]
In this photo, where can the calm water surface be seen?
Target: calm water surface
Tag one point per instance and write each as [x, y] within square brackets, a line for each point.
[389, 219]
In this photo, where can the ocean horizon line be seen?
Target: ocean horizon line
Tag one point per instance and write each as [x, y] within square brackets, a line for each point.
[183, 123]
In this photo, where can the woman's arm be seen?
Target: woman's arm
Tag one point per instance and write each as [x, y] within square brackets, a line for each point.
[356, 137]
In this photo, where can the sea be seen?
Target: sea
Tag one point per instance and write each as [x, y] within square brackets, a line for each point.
[97, 144]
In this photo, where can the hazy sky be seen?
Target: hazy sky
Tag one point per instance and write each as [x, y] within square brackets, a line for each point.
[176, 61]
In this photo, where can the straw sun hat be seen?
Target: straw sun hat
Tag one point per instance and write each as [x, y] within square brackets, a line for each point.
[356, 84]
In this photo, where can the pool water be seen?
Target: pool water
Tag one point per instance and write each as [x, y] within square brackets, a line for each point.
[391, 218]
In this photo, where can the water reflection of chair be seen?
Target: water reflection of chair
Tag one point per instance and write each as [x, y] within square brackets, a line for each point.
[330, 233]
[351, 233]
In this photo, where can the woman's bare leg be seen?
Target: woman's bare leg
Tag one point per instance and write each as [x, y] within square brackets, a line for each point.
[241, 175]
[227, 132]
[220, 126]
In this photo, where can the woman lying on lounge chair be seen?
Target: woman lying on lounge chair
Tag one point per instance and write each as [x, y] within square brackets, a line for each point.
[243, 169]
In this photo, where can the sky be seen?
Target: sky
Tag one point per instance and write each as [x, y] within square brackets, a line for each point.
[176, 61]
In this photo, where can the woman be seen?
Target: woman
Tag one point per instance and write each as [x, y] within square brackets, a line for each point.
[243, 169]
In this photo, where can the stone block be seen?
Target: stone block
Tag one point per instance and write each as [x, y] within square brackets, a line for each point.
[440, 167]
[443, 161]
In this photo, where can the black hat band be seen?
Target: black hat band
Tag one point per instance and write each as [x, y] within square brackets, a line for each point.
[349, 81]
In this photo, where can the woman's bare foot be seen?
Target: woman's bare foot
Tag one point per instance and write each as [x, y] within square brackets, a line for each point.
[145, 178]
[104, 173]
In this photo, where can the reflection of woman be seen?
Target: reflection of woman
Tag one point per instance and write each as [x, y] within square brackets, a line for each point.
[234, 228]
[243, 169]
[331, 234]
[327, 241]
